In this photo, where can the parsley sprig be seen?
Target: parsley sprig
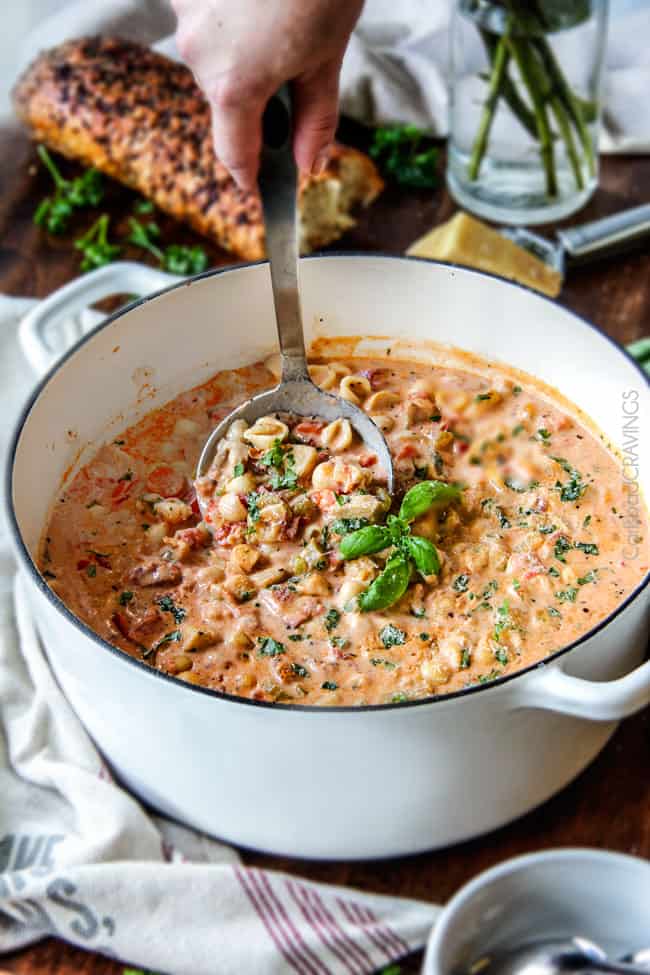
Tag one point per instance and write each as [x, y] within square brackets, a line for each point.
[54, 212]
[95, 246]
[175, 258]
[401, 152]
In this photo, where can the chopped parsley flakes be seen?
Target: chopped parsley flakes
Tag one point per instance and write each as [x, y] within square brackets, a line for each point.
[392, 636]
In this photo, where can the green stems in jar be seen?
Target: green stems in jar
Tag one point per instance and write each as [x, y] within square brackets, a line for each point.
[524, 44]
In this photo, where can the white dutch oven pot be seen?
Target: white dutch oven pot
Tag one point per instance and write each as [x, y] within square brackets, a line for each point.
[322, 782]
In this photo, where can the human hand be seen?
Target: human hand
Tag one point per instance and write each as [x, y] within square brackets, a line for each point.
[241, 51]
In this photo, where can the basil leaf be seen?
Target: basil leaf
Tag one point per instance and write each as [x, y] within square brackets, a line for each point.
[425, 494]
[365, 541]
[388, 587]
[424, 554]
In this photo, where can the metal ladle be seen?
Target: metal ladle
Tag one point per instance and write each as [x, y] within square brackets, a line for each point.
[296, 393]
[554, 958]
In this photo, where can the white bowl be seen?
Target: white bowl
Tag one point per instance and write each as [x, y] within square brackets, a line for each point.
[557, 894]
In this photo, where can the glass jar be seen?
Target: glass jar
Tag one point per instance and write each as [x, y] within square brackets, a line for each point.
[525, 106]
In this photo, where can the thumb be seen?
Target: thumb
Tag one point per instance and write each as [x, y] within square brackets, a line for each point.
[315, 105]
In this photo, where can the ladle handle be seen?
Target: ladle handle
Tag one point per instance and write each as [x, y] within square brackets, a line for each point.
[278, 182]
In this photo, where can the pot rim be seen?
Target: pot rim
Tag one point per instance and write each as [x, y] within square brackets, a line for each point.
[104, 645]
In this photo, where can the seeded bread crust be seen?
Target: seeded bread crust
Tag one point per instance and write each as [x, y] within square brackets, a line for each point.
[140, 118]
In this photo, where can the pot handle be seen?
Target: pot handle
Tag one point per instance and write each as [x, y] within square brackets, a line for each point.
[52, 326]
[551, 689]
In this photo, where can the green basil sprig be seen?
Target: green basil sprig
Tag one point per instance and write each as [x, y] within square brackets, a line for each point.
[424, 495]
[365, 541]
[409, 551]
[389, 586]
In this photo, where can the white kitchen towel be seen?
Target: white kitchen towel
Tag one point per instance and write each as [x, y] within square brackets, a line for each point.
[395, 68]
[82, 860]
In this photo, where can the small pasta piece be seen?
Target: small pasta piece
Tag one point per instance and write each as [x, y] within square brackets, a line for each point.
[180, 664]
[244, 557]
[240, 586]
[349, 589]
[362, 569]
[323, 376]
[424, 387]
[272, 520]
[361, 506]
[337, 435]
[172, 510]
[265, 431]
[418, 408]
[435, 672]
[339, 370]
[313, 584]
[383, 400]
[355, 388]
[196, 639]
[322, 478]
[230, 508]
[242, 484]
[339, 476]
[268, 577]
[383, 421]
[236, 430]
[452, 400]
[304, 459]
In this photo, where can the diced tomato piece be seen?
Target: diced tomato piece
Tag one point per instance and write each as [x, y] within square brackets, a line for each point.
[368, 460]
[194, 537]
[309, 429]
[166, 481]
[122, 622]
[102, 560]
[83, 564]
[194, 505]
[460, 447]
[326, 500]
[408, 450]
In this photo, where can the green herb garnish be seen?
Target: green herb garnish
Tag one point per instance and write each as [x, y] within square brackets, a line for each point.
[95, 246]
[402, 154]
[268, 647]
[382, 662]
[392, 636]
[567, 595]
[332, 619]
[562, 546]
[588, 548]
[282, 463]
[54, 212]
[168, 605]
[408, 550]
[460, 583]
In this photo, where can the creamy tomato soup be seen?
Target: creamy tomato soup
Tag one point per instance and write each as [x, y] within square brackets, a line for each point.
[503, 542]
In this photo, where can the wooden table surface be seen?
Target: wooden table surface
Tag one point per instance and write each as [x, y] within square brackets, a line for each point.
[608, 806]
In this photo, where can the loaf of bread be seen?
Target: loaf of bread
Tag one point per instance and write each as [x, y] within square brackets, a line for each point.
[140, 118]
